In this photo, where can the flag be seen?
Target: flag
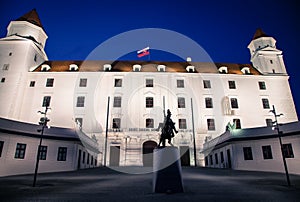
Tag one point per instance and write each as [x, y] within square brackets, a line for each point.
[143, 52]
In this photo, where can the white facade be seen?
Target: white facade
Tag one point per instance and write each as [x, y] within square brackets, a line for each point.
[79, 90]
[232, 145]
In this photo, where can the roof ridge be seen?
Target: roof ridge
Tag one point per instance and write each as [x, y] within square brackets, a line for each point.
[259, 33]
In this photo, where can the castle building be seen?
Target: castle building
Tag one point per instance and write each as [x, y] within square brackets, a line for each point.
[121, 103]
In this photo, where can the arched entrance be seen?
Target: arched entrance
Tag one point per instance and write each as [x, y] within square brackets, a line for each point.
[148, 147]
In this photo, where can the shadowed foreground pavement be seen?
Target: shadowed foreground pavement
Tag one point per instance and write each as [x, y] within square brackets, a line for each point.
[104, 184]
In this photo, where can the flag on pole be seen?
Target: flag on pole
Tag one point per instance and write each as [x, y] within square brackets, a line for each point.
[143, 52]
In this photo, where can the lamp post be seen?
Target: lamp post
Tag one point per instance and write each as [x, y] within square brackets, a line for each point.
[43, 122]
[280, 141]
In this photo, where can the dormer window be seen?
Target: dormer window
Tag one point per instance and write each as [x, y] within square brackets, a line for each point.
[73, 67]
[161, 68]
[136, 68]
[223, 70]
[45, 68]
[106, 67]
[190, 68]
[245, 70]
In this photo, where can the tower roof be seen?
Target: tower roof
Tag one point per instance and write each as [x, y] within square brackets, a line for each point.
[259, 33]
[31, 17]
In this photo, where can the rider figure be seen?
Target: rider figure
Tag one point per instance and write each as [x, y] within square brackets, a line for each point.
[168, 129]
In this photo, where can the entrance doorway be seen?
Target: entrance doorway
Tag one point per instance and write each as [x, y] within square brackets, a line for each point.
[148, 148]
[114, 157]
[185, 155]
[79, 159]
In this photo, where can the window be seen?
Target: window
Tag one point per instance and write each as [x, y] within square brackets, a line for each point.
[10, 54]
[237, 123]
[211, 124]
[79, 121]
[267, 152]
[208, 102]
[222, 157]
[262, 85]
[180, 83]
[92, 160]
[288, 151]
[234, 103]
[42, 152]
[117, 101]
[20, 151]
[231, 84]
[46, 101]
[5, 67]
[118, 82]
[271, 61]
[265, 103]
[211, 160]
[35, 58]
[83, 83]
[206, 84]
[149, 82]
[80, 101]
[247, 153]
[32, 84]
[116, 123]
[269, 122]
[182, 123]
[206, 161]
[88, 159]
[49, 82]
[2, 80]
[181, 102]
[149, 123]
[149, 102]
[216, 158]
[1, 147]
[62, 154]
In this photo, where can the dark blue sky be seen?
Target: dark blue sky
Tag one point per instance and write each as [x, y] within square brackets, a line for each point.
[223, 28]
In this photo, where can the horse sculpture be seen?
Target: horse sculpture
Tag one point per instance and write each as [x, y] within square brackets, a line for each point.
[167, 132]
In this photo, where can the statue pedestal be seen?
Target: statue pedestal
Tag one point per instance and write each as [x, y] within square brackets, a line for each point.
[167, 176]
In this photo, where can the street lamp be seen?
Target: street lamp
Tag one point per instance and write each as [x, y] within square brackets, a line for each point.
[43, 122]
[279, 136]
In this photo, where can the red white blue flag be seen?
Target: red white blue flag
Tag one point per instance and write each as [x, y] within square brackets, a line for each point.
[143, 52]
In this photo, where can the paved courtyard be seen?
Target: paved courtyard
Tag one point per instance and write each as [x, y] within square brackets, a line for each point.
[104, 184]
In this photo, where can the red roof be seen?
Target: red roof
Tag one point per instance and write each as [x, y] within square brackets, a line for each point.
[31, 17]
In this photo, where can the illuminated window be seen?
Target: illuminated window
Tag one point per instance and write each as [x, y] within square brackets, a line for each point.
[32, 84]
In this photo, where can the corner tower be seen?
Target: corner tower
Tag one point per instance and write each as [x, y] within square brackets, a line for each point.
[265, 57]
[21, 51]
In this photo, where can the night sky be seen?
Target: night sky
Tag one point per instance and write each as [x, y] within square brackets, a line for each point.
[223, 28]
